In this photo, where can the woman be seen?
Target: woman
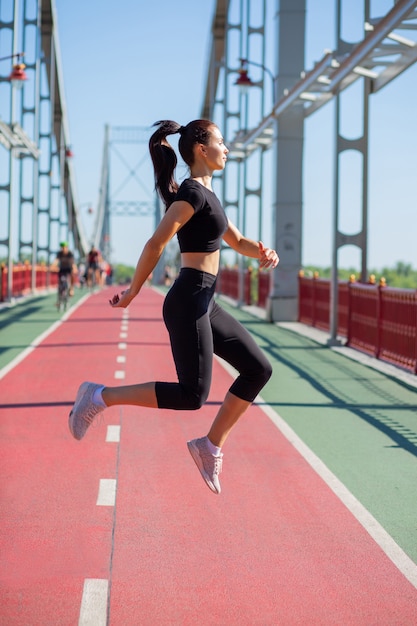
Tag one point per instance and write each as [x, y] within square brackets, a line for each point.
[197, 325]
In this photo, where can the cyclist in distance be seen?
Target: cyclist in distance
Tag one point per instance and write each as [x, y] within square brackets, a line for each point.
[66, 265]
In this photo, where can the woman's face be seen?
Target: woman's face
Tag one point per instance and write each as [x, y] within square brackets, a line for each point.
[215, 151]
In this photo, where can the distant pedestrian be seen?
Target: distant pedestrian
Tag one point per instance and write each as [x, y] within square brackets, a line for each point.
[197, 325]
[93, 267]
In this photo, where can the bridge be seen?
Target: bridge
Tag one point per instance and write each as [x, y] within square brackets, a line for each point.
[316, 521]
[38, 190]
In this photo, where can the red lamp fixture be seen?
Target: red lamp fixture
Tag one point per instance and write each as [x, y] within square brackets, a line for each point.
[18, 75]
[243, 81]
[68, 152]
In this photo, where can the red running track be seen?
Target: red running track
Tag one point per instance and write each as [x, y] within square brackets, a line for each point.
[275, 548]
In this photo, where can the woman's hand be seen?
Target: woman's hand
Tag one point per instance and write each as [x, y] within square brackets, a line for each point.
[123, 300]
[268, 258]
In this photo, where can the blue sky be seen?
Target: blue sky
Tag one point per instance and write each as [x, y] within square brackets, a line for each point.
[137, 62]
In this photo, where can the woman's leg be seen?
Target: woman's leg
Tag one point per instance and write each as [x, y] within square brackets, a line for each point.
[229, 413]
[192, 350]
[139, 395]
[186, 316]
[237, 347]
[206, 450]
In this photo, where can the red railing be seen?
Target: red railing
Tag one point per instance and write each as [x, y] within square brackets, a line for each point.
[264, 288]
[256, 286]
[229, 283]
[397, 341]
[22, 280]
[378, 320]
[363, 318]
[314, 304]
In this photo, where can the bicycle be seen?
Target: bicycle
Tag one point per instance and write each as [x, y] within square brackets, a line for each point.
[63, 292]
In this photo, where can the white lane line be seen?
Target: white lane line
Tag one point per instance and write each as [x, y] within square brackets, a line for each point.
[119, 374]
[123, 335]
[93, 610]
[393, 551]
[124, 326]
[113, 434]
[121, 359]
[387, 544]
[106, 492]
[122, 346]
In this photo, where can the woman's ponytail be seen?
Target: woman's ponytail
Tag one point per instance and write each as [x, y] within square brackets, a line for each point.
[164, 160]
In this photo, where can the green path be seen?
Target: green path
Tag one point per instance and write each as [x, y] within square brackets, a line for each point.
[23, 322]
[361, 423]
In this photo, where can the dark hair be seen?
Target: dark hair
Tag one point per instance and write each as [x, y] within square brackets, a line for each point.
[163, 155]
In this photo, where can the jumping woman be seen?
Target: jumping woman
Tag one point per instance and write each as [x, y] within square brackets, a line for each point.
[198, 327]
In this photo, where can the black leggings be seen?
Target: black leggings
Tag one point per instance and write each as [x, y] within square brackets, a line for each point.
[198, 328]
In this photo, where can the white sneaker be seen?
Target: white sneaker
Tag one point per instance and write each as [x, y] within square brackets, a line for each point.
[209, 465]
[84, 410]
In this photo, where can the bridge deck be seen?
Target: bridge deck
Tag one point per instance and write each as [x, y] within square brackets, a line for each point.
[315, 523]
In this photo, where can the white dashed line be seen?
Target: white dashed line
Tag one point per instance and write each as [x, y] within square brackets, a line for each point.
[119, 374]
[123, 335]
[121, 359]
[93, 610]
[122, 346]
[113, 434]
[106, 492]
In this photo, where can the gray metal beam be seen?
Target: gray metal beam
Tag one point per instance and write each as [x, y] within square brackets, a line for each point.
[216, 55]
[50, 43]
[13, 137]
[381, 56]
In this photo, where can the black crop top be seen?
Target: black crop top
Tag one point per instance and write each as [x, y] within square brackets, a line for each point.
[203, 232]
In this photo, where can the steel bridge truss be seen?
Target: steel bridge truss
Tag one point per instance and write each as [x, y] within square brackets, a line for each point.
[121, 181]
[388, 48]
[38, 201]
[384, 54]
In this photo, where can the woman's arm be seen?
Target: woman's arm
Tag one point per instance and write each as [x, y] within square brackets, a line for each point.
[177, 215]
[248, 247]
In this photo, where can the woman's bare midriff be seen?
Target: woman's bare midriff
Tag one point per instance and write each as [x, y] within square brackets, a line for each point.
[203, 261]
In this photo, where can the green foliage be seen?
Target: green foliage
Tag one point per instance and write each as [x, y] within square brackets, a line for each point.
[402, 275]
[122, 274]
[326, 272]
